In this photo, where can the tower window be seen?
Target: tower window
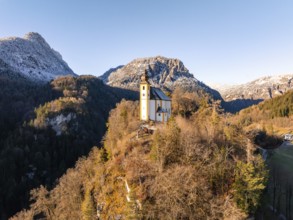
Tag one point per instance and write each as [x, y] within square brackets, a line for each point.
[143, 87]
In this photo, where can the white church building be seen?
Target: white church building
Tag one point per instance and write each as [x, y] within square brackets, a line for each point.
[154, 104]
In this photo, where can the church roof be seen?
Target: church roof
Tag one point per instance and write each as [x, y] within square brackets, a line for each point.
[158, 94]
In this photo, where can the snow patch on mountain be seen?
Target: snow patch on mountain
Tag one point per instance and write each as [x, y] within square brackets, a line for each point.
[263, 88]
[33, 57]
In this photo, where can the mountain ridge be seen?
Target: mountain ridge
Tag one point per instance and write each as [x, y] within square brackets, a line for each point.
[32, 57]
[165, 73]
[263, 88]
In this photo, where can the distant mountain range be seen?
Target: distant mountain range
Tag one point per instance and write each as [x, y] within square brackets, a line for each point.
[32, 58]
[165, 73]
[168, 74]
[260, 89]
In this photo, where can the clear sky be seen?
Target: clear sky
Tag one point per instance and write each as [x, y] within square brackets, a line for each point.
[219, 41]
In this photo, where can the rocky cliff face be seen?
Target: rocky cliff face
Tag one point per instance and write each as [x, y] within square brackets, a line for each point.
[105, 76]
[260, 89]
[32, 57]
[163, 72]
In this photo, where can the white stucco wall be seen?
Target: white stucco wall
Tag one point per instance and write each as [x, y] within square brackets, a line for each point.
[166, 105]
[144, 102]
[144, 109]
[149, 108]
[152, 110]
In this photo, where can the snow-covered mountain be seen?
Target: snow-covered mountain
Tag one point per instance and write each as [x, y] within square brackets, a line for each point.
[259, 89]
[163, 72]
[32, 57]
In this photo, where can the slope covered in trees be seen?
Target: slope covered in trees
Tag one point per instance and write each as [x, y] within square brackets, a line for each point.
[18, 97]
[281, 106]
[273, 116]
[196, 168]
[272, 119]
[46, 128]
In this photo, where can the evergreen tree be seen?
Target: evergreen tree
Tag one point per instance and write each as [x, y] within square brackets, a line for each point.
[250, 180]
[87, 206]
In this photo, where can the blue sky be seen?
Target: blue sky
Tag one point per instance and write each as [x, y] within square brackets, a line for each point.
[219, 41]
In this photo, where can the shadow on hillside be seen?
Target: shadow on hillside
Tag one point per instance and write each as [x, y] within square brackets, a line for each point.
[239, 104]
[28, 140]
[125, 93]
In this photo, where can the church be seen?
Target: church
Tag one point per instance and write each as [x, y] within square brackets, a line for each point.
[154, 104]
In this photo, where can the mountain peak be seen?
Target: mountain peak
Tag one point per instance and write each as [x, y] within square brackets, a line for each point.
[165, 73]
[33, 36]
[157, 59]
[36, 37]
[33, 57]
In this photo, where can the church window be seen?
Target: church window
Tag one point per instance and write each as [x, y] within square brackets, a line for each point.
[143, 88]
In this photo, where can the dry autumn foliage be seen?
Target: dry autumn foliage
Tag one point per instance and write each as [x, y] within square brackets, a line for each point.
[186, 170]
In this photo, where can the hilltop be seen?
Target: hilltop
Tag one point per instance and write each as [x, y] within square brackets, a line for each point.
[195, 168]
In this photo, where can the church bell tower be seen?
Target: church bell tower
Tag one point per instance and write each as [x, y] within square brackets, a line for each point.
[144, 97]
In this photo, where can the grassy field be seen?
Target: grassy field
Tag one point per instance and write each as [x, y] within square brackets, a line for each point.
[283, 159]
[280, 162]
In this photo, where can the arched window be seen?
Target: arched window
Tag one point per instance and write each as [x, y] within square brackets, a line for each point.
[143, 87]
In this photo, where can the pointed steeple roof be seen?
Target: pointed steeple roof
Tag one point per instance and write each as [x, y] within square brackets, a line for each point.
[144, 77]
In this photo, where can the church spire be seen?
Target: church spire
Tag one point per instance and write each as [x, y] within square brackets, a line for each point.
[144, 77]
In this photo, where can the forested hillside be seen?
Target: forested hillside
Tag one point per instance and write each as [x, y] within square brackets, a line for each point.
[46, 128]
[197, 167]
[274, 115]
[273, 118]
[18, 97]
[281, 106]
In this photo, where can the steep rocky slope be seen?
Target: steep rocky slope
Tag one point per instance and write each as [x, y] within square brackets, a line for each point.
[105, 76]
[32, 57]
[163, 72]
[260, 89]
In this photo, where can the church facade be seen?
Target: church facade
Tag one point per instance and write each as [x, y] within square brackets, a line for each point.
[154, 104]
